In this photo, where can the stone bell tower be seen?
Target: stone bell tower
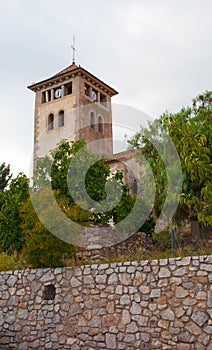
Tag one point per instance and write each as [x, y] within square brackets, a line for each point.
[72, 104]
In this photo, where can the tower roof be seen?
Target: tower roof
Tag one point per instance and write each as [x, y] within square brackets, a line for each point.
[69, 72]
[68, 69]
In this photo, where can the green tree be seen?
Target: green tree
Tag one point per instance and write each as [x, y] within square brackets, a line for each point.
[67, 164]
[42, 248]
[5, 176]
[84, 179]
[11, 233]
[191, 132]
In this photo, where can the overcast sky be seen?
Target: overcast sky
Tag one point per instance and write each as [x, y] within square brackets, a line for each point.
[156, 53]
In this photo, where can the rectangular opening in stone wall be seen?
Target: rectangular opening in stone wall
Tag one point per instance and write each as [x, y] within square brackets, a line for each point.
[68, 89]
[49, 292]
[103, 100]
[51, 122]
[46, 96]
[61, 119]
[87, 90]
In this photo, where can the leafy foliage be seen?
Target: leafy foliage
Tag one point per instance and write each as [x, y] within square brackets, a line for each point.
[11, 262]
[11, 234]
[5, 176]
[191, 132]
[42, 248]
[87, 184]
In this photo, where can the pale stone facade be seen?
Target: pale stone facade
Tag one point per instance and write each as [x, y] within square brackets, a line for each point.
[126, 162]
[72, 105]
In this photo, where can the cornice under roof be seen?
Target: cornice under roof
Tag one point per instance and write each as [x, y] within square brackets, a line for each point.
[72, 69]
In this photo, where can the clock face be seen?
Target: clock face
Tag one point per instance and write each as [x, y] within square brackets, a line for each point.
[58, 93]
[94, 95]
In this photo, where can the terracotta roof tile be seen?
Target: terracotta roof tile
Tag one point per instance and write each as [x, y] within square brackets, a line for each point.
[67, 70]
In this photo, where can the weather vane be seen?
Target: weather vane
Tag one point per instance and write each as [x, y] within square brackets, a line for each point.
[74, 50]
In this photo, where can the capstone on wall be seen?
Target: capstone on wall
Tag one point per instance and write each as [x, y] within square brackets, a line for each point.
[159, 304]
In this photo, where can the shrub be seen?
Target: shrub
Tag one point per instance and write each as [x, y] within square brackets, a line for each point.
[42, 248]
[8, 262]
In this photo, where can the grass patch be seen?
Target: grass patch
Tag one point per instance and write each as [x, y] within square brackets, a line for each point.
[8, 262]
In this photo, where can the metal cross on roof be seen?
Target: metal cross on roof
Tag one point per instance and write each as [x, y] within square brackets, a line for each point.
[74, 50]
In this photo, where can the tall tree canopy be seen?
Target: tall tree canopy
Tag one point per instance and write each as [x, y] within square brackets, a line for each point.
[11, 233]
[82, 177]
[191, 131]
[5, 176]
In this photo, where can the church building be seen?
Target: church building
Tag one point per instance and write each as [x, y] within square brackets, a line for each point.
[74, 104]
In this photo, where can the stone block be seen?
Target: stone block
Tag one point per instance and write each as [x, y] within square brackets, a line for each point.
[101, 279]
[167, 314]
[209, 298]
[145, 337]
[113, 279]
[95, 322]
[125, 300]
[126, 317]
[109, 320]
[206, 267]
[183, 346]
[132, 328]
[186, 337]
[180, 272]
[155, 293]
[75, 282]
[130, 338]
[193, 328]
[144, 289]
[142, 320]
[137, 279]
[135, 309]
[184, 261]
[164, 272]
[110, 341]
[208, 330]
[199, 317]
[125, 279]
[12, 281]
[181, 292]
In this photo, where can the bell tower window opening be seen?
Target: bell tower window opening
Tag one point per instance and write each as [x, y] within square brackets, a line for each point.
[87, 90]
[103, 100]
[51, 121]
[61, 119]
[92, 120]
[100, 124]
[46, 96]
[68, 89]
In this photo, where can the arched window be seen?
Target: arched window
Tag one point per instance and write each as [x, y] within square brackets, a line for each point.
[100, 124]
[51, 121]
[92, 120]
[61, 120]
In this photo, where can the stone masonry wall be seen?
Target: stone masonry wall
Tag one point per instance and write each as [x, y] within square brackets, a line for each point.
[159, 304]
